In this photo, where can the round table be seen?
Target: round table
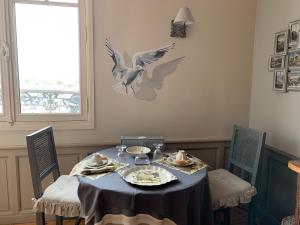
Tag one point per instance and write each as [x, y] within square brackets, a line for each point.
[183, 202]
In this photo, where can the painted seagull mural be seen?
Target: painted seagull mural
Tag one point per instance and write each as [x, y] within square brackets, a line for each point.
[127, 76]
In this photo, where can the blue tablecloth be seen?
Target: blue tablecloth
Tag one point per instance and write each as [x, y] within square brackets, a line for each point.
[185, 202]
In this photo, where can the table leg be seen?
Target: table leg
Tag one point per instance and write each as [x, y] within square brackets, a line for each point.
[297, 208]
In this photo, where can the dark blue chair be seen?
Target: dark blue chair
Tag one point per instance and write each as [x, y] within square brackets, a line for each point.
[43, 162]
[236, 184]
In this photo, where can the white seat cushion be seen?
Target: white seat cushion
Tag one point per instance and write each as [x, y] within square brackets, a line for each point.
[228, 190]
[60, 198]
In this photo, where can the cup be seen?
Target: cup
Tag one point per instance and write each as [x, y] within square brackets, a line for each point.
[181, 155]
[141, 159]
[121, 153]
[157, 153]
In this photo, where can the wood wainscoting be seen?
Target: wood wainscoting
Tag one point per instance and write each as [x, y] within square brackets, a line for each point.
[15, 180]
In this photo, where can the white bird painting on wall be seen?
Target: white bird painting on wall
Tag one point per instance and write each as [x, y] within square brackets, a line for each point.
[126, 76]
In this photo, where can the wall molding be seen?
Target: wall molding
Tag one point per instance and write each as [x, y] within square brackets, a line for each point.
[112, 143]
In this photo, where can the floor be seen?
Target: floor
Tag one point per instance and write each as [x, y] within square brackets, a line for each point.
[239, 217]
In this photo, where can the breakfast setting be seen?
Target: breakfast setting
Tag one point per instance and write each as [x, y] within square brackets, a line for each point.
[182, 161]
[96, 166]
[138, 165]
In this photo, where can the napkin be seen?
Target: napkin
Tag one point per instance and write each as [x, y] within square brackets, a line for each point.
[96, 170]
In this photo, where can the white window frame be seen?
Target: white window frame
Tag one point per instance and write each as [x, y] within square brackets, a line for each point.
[12, 107]
[5, 65]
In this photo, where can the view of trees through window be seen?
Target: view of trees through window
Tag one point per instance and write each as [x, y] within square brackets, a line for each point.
[48, 58]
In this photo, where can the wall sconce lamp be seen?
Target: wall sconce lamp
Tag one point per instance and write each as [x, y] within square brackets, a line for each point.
[183, 19]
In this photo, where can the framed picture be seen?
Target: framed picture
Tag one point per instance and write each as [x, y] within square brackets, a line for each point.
[279, 80]
[294, 60]
[294, 28]
[281, 39]
[293, 81]
[276, 62]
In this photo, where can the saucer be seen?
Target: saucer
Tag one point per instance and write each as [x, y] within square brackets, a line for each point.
[172, 161]
[93, 165]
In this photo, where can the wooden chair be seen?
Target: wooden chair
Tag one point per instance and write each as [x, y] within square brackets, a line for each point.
[294, 219]
[235, 185]
[60, 198]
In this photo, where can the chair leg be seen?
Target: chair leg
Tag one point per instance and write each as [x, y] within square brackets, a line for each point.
[59, 220]
[40, 218]
[252, 212]
[217, 217]
[227, 216]
[78, 220]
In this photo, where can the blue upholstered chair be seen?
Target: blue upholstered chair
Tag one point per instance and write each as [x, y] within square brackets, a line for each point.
[236, 184]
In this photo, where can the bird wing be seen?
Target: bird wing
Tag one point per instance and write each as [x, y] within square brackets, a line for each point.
[145, 58]
[119, 69]
[160, 72]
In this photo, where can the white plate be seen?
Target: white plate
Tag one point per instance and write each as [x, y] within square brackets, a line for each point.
[137, 150]
[172, 160]
[147, 175]
[93, 165]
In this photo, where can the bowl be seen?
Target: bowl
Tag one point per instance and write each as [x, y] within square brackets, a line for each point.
[137, 150]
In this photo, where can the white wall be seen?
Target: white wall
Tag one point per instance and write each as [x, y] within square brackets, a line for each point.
[202, 99]
[276, 113]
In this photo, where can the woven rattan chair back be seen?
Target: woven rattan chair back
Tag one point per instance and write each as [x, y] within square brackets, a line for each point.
[245, 150]
[42, 158]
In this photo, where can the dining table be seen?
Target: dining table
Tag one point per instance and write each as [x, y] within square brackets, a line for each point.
[111, 200]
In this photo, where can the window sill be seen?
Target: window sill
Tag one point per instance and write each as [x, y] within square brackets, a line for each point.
[58, 125]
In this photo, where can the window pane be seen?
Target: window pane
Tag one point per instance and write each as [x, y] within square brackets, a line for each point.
[48, 58]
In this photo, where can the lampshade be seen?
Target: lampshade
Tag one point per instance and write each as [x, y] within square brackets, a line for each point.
[184, 16]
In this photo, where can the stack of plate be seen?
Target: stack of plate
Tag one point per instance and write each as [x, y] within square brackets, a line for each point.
[172, 160]
[91, 164]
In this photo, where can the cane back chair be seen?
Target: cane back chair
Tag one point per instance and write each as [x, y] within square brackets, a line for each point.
[60, 198]
[236, 184]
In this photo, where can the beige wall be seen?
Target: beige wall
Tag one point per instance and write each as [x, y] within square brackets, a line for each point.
[276, 113]
[202, 99]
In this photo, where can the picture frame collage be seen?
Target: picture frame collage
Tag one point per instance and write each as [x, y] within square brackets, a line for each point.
[285, 62]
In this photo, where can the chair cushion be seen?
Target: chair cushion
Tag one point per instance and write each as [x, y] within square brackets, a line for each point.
[290, 220]
[60, 198]
[228, 190]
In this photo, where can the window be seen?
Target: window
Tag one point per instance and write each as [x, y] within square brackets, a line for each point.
[3, 57]
[48, 58]
[50, 71]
